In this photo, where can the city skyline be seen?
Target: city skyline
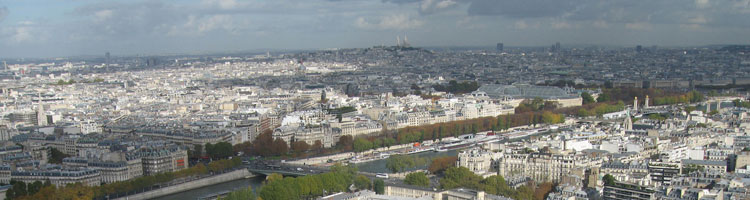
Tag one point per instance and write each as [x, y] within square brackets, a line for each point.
[46, 28]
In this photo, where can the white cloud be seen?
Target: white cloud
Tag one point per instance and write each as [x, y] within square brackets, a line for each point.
[601, 24]
[700, 19]
[3, 13]
[560, 25]
[521, 24]
[638, 26]
[102, 15]
[223, 4]
[702, 3]
[432, 6]
[392, 22]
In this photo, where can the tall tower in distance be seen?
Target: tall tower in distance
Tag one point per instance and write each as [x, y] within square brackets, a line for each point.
[645, 104]
[41, 117]
[557, 46]
[499, 47]
[106, 60]
[635, 104]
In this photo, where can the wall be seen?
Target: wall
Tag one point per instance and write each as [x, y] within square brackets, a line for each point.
[238, 174]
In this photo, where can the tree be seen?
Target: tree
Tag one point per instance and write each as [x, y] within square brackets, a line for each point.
[197, 150]
[609, 179]
[362, 144]
[345, 143]
[379, 186]
[460, 177]
[418, 179]
[439, 165]
[587, 98]
[57, 156]
[34, 187]
[604, 97]
[496, 185]
[242, 194]
[399, 163]
[219, 150]
[317, 146]
[273, 177]
[279, 147]
[300, 147]
[543, 190]
[362, 182]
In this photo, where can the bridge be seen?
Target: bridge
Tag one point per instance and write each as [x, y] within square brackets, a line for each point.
[294, 170]
[286, 170]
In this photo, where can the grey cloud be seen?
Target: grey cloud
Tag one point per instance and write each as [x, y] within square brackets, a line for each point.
[522, 8]
[730, 13]
[125, 20]
[3, 13]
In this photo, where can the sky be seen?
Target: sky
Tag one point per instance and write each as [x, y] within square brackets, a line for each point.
[56, 28]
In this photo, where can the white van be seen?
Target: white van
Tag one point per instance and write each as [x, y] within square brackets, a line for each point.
[381, 175]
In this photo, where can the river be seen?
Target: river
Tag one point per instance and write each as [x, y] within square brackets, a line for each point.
[254, 182]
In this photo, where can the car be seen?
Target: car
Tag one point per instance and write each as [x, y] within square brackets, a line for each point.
[381, 175]
[299, 169]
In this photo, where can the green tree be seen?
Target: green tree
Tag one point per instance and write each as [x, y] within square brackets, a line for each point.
[496, 185]
[418, 179]
[56, 156]
[197, 151]
[362, 144]
[379, 186]
[219, 150]
[362, 182]
[242, 194]
[587, 98]
[273, 177]
[460, 177]
[399, 163]
[609, 179]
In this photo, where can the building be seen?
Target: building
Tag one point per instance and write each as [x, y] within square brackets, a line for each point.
[499, 47]
[620, 191]
[543, 167]
[476, 160]
[59, 176]
[163, 159]
[565, 98]
[662, 173]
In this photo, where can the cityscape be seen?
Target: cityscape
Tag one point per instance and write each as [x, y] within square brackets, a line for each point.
[411, 119]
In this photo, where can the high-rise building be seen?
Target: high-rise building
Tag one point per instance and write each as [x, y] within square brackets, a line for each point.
[106, 60]
[638, 48]
[499, 47]
[41, 116]
[557, 46]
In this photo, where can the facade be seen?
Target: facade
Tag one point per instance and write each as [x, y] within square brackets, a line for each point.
[543, 167]
[59, 177]
[662, 173]
[163, 159]
[621, 191]
[476, 160]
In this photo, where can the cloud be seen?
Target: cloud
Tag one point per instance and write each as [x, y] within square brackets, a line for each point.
[390, 22]
[702, 3]
[433, 6]
[519, 9]
[638, 26]
[3, 13]
[600, 24]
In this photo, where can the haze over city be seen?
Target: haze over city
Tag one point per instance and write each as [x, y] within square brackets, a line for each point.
[50, 28]
[375, 99]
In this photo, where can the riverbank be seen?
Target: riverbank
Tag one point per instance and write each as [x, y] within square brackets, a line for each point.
[221, 178]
